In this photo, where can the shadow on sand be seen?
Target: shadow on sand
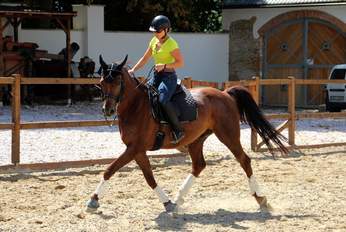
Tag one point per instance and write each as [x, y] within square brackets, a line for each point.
[224, 218]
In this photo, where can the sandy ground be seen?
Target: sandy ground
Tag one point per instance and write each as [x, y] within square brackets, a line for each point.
[307, 192]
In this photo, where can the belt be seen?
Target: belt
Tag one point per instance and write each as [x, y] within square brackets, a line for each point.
[170, 70]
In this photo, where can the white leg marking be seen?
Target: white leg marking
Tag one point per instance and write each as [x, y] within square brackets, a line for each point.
[100, 187]
[254, 187]
[184, 189]
[161, 194]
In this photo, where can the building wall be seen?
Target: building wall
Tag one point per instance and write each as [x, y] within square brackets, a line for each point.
[263, 15]
[244, 48]
[206, 55]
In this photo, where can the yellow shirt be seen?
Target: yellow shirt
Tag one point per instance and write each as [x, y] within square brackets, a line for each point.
[163, 55]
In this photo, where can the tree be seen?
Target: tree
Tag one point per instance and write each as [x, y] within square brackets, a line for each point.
[185, 15]
[136, 15]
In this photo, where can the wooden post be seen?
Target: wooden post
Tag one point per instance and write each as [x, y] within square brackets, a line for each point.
[291, 110]
[187, 82]
[70, 88]
[255, 94]
[16, 120]
[2, 66]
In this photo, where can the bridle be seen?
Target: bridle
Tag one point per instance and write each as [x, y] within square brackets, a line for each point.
[109, 79]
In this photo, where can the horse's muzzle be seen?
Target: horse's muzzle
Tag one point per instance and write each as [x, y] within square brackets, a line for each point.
[108, 111]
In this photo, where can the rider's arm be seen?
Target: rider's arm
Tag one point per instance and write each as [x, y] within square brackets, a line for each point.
[179, 60]
[142, 61]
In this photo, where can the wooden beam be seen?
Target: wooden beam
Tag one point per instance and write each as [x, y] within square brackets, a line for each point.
[6, 80]
[74, 164]
[65, 124]
[334, 115]
[319, 82]
[40, 14]
[254, 89]
[296, 147]
[279, 128]
[2, 65]
[63, 27]
[292, 111]
[274, 81]
[277, 116]
[6, 126]
[15, 149]
[59, 81]
[245, 83]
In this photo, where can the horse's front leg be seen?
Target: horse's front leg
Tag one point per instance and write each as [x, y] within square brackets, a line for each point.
[123, 159]
[144, 164]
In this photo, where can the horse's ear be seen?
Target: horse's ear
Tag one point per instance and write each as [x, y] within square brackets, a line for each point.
[120, 66]
[102, 63]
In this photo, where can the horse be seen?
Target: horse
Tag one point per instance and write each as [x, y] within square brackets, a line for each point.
[219, 112]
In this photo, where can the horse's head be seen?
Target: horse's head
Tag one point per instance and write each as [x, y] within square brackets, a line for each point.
[112, 85]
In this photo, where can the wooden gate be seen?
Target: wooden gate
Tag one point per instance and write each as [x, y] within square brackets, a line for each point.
[305, 48]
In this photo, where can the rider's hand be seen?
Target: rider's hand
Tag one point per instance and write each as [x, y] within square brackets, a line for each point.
[159, 67]
[131, 71]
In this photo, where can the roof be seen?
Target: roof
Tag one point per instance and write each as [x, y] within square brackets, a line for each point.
[278, 3]
[37, 14]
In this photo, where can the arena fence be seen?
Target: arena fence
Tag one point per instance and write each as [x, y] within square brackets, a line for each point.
[253, 85]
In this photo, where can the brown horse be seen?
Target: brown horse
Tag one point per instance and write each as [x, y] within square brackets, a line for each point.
[219, 112]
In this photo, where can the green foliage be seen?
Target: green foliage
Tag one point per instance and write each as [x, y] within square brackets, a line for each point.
[136, 15]
[185, 15]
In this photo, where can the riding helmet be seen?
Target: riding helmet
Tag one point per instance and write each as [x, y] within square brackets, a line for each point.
[159, 23]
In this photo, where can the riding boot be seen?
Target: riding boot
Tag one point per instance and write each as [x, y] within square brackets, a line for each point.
[177, 130]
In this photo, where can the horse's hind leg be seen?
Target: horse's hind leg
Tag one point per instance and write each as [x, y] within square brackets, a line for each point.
[143, 162]
[230, 136]
[198, 164]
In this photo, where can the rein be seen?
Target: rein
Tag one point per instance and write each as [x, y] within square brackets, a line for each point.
[143, 82]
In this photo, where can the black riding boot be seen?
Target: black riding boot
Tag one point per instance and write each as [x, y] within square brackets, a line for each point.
[178, 132]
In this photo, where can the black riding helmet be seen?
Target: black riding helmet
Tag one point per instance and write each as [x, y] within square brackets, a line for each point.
[159, 23]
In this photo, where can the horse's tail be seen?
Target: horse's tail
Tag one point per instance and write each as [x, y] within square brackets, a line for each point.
[251, 114]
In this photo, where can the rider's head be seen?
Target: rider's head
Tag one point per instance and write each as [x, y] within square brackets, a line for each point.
[160, 23]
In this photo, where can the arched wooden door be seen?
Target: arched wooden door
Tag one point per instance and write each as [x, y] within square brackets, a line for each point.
[305, 48]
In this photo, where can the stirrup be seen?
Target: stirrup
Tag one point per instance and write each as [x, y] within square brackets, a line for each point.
[177, 136]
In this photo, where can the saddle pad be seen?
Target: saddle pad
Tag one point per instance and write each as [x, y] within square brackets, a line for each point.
[184, 104]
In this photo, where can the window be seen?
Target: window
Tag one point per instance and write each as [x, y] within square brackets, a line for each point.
[338, 74]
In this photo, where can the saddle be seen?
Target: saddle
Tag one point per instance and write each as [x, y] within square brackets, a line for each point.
[184, 104]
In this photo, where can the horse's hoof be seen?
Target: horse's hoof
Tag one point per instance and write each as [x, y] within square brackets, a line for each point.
[265, 206]
[92, 205]
[179, 202]
[170, 206]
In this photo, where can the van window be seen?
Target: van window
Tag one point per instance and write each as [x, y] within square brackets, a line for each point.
[338, 74]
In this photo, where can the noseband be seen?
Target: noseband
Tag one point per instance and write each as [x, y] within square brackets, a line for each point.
[109, 79]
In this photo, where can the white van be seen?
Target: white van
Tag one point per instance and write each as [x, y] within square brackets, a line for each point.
[336, 93]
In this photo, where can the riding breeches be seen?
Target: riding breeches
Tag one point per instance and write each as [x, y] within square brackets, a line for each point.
[166, 83]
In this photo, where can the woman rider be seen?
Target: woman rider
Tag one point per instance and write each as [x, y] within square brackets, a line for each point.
[167, 57]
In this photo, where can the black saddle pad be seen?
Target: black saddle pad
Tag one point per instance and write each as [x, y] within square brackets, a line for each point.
[184, 104]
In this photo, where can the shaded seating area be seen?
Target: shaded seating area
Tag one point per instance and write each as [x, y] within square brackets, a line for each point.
[25, 58]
